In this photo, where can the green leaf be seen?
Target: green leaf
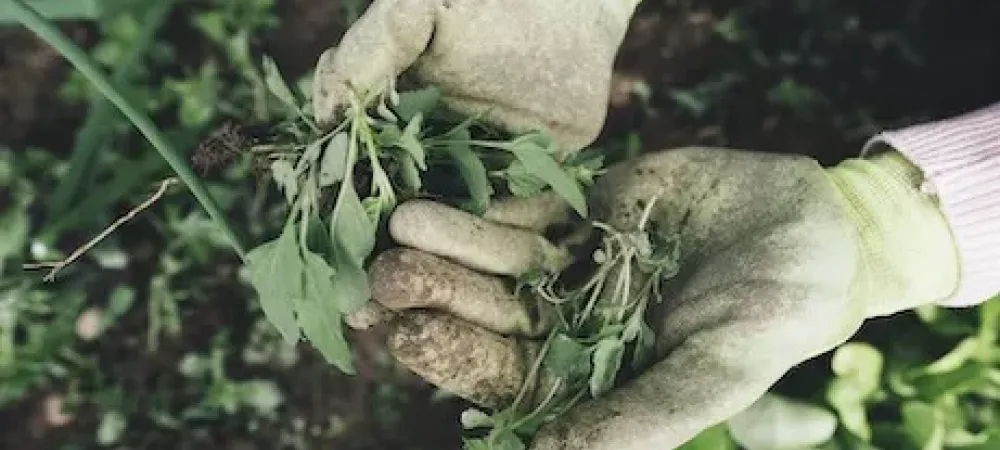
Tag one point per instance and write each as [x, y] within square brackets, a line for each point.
[861, 363]
[472, 170]
[585, 165]
[119, 302]
[521, 183]
[334, 164]
[507, 440]
[320, 316]
[112, 427]
[947, 321]
[309, 157]
[992, 441]
[351, 282]
[409, 173]
[286, 178]
[420, 101]
[924, 425]
[633, 327]
[715, 438]
[777, 423]
[410, 141]
[373, 207]
[989, 320]
[849, 403]
[541, 164]
[352, 228]
[276, 83]
[958, 381]
[607, 360]
[383, 111]
[858, 367]
[388, 135]
[475, 444]
[566, 357]
[644, 345]
[264, 396]
[275, 271]
[14, 229]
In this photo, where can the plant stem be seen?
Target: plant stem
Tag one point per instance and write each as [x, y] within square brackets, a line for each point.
[32, 20]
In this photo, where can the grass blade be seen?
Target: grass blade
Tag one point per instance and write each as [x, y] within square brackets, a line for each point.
[100, 116]
[55, 10]
[72, 52]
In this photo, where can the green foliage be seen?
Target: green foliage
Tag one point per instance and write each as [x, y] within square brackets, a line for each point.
[393, 141]
[269, 266]
[715, 438]
[598, 323]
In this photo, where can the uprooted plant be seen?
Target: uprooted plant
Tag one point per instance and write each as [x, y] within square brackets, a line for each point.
[600, 323]
[341, 184]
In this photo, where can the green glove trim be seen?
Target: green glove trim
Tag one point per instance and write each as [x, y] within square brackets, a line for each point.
[908, 256]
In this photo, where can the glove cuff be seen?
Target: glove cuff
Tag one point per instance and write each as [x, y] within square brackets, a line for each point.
[907, 253]
[960, 160]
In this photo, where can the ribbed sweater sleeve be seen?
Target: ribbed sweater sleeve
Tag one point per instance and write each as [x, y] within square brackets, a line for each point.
[960, 159]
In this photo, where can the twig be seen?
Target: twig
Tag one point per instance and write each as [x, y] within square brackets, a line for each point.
[39, 265]
[57, 266]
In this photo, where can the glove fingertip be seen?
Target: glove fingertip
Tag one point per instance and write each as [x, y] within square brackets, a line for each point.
[326, 84]
[371, 315]
[469, 361]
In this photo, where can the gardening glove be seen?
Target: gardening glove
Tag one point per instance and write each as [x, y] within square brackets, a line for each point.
[527, 65]
[780, 260]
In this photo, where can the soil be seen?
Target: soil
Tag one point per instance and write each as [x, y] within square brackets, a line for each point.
[30, 72]
[671, 44]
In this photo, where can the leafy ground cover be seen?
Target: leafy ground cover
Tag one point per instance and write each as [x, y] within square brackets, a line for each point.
[154, 339]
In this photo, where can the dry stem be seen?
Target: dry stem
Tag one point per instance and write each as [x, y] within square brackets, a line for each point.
[80, 251]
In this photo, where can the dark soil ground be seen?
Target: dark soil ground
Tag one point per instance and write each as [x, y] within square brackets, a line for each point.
[671, 45]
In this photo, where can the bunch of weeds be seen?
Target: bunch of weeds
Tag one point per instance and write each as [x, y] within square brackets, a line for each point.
[600, 333]
[341, 184]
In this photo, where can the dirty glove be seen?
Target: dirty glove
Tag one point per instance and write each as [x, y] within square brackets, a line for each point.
[781, 260]
[528, 65]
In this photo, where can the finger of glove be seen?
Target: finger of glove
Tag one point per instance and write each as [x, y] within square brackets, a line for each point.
[473, 241]
[459, 357]
[370, 315]
[387, 39]
[404, 279]
[527, 65]
[536, 213]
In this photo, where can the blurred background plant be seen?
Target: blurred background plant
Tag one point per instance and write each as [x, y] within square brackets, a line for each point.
[153, 339]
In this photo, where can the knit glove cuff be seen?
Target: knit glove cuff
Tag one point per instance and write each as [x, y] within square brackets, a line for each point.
[960, 160]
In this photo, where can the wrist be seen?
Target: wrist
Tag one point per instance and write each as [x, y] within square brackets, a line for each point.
[907, 251]
[960, 158]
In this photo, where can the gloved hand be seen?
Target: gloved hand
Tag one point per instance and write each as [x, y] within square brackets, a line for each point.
[781, 260]
[528, 65]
